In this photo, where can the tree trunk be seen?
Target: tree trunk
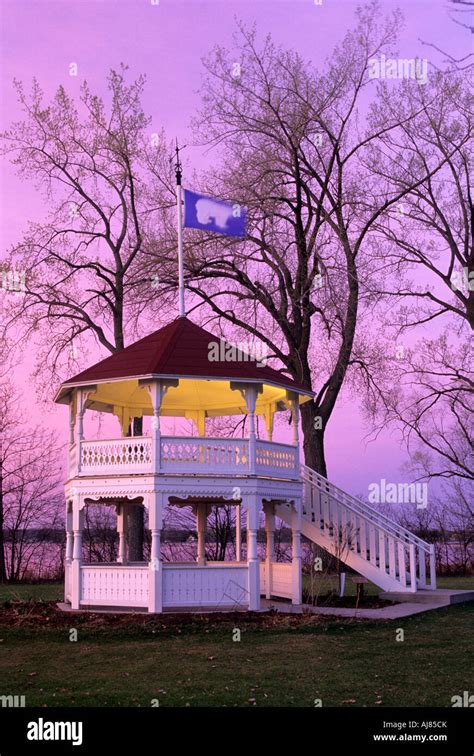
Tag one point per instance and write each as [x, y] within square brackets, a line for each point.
[135, 533]
[313, 438]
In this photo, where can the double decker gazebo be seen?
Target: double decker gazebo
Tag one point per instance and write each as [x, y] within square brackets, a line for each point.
[183, 371]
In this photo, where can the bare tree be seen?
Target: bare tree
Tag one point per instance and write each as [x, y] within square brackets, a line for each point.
[100, 534]
[221, 523]
[436, 410]
[292, 151]
[425, 245]
[462, 13]
[424, 255]
[31, 498]
[83, 263]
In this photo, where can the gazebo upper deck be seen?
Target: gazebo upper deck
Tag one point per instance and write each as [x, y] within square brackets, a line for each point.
[182, 370]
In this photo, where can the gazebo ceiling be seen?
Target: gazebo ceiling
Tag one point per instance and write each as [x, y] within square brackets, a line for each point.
[215, 398]
[180, 350]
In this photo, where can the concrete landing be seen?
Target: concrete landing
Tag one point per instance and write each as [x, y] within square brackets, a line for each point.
[406, 608]
[439, 597]
[396, 611]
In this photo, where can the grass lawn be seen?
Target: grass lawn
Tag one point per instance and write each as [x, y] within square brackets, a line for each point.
[325, 583]
[32, 591]
[193, 660]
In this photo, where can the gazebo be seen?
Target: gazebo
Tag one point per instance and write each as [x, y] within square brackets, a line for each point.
[182, 371]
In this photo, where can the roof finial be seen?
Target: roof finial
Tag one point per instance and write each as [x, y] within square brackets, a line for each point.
[177, 166]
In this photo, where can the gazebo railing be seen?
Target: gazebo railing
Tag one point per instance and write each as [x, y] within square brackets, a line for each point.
[181, 455]
[204, 455]
[120, 455]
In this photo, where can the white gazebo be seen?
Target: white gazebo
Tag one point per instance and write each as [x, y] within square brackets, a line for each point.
[182, 371]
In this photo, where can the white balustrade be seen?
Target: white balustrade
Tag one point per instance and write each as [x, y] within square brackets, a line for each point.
[210, 585]
[114, 585]
[281, 579]
[204, 455]
[275, 459]
[126, 455]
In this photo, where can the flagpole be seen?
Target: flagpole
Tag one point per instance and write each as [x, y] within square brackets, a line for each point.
[182, 310]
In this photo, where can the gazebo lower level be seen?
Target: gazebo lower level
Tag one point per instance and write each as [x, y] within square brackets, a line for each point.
[158, 586]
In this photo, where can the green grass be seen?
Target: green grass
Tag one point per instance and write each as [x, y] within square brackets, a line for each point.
[462, 583]
[32, 591]
[279, 661]
[326, 583]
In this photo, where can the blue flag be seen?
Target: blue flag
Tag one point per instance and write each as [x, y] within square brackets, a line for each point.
[209, 214]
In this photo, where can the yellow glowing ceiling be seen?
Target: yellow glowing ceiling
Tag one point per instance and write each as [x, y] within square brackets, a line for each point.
[215, 398]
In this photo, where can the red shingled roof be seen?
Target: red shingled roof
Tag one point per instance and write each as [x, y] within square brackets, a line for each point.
[181, 348]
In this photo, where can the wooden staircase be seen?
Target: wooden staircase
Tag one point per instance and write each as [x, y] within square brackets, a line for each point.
[367, 541]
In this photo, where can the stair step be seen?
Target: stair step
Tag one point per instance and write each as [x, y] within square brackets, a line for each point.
[439, 596]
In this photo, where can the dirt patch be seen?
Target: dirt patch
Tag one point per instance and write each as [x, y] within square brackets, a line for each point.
[45, 614]
[347, 602]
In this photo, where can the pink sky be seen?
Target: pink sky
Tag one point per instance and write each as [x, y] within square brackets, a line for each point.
[41, 38]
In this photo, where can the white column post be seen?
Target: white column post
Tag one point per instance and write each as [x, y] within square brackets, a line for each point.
[269, 415]
[201, 423]
[250, 391]
[72, 428]
[121, 529]
[201, 517]
[69, 534]
[238, 532]
[253, 564]
[155, 565]
[269, 510]
[157, 390]
[296, 576]
[251, 401]
[80, 426]
[295, 413]
[432, 567]
[69, 551]
[412, 556]
[77, 524]
[156, 394]
[72, 420]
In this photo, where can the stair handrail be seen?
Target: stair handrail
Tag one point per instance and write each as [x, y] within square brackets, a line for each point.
[365, 510]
